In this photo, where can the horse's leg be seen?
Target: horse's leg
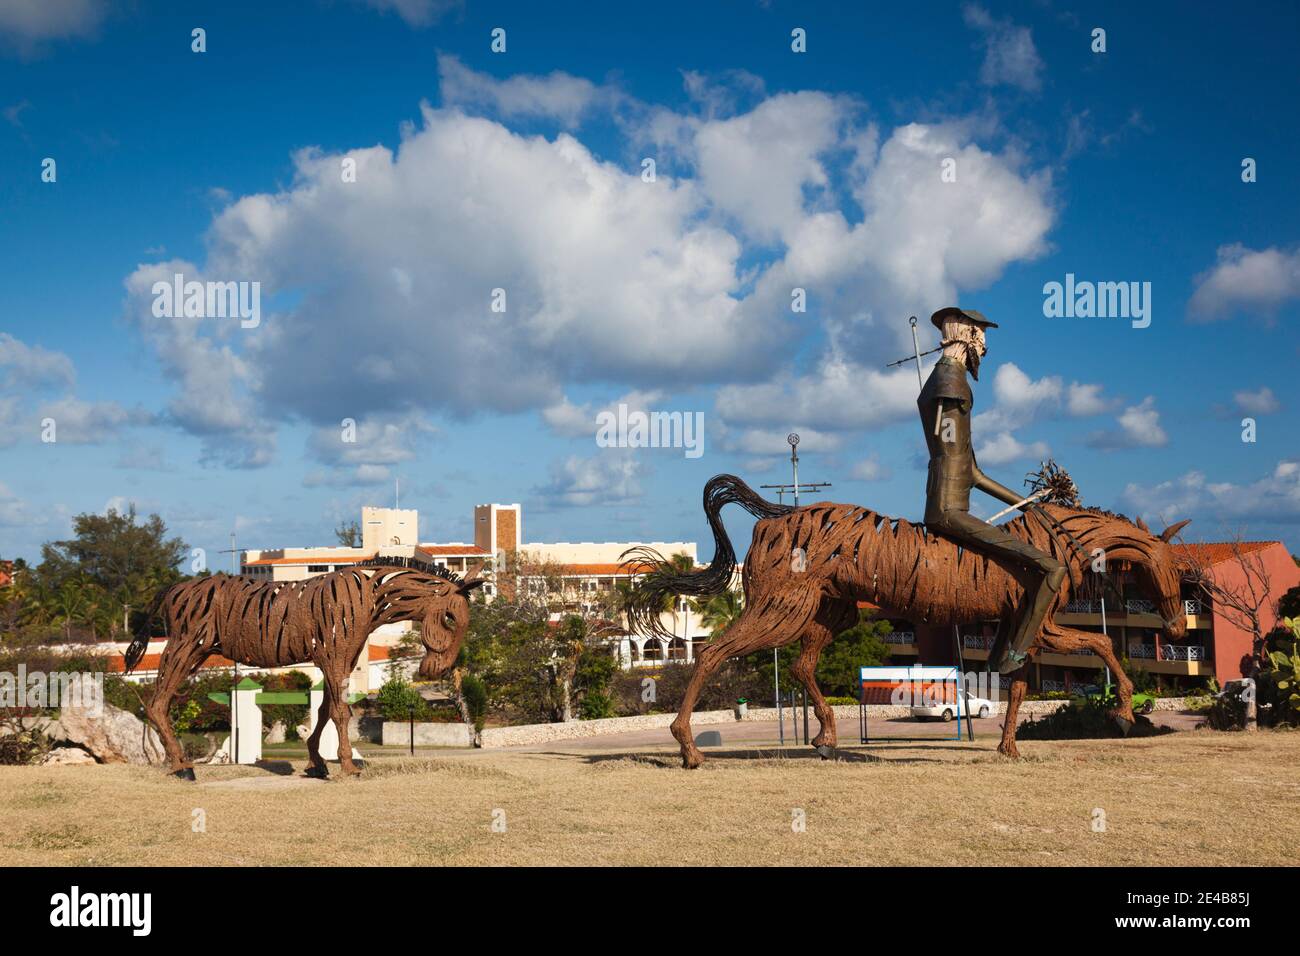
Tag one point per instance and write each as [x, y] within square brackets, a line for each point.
[1069, 639]
[181, 658]
[336, 685]
[750, 632]
[315, 765]
[1007, 747]
[821, 631]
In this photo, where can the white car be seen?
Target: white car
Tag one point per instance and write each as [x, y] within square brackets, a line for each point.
[939, 710]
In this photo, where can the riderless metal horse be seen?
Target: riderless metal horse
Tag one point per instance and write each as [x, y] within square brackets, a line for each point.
[323, 620]
[807, 568]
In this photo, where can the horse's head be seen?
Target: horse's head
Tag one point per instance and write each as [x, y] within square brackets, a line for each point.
[1162, 574]
[1155, 564]
[443, 613]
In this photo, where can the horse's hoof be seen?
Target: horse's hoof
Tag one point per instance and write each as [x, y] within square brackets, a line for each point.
[317, 773]
[825, 752]
[185, 773]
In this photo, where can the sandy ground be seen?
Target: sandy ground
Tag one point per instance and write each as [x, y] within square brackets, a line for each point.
[1187, 798]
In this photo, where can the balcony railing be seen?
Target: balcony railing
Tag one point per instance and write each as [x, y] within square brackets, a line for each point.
[1082, 607]
[900, 637]
[977, 642]
[1168, 652]
[1132, 606]
[1050, 686]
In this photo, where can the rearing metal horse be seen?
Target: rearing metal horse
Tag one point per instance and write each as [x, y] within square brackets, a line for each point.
[808, 567]
[324, 620]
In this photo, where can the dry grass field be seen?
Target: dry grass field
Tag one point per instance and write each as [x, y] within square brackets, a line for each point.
[1189, 798]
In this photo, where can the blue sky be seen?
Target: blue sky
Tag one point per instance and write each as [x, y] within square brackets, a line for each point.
[522, 170]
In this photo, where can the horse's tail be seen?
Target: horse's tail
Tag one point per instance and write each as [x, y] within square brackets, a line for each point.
[140, 631]
[648, 599]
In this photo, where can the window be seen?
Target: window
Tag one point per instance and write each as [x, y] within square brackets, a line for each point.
[317, 568]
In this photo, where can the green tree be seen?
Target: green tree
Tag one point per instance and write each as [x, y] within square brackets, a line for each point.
[719, 611]
[349, 534]
[861, 645]
[113, 564]
[679, 563]
[528, 643]
[597, 667]
[398, 700]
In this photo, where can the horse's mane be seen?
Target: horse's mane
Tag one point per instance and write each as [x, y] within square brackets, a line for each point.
[410, 564]
[1065, 513]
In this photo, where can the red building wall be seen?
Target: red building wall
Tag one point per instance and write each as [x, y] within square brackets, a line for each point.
[1232, 637]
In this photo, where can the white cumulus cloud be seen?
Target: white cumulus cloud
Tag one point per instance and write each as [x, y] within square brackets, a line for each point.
[1247, 280]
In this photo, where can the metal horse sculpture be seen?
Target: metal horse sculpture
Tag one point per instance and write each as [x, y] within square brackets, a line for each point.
[808, 567]
[324, 620]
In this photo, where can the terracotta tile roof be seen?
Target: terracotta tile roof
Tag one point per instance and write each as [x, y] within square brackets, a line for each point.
[117, 663]
[6, 573]
[1209, 553]
[315, 559]
[432, 550]
[149, 662]
[574, 570]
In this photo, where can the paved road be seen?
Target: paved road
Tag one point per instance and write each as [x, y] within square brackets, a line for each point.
[752, 733]
[765, 732]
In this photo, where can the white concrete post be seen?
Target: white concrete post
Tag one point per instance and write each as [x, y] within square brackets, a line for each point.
[246, 722]
[329, 736]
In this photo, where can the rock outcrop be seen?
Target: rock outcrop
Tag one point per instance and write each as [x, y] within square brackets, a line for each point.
[111, 734]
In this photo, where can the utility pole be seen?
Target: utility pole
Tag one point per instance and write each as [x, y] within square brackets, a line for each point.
[916, 353]
[793, 439]
[234, 554]
[795, 487]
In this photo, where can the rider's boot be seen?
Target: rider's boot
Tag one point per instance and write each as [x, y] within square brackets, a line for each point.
[1015, 651]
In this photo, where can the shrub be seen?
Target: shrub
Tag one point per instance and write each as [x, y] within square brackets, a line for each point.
[841, 701]
[732, 680]
[22, 740]
[398, 699]
[596, 668]
[475, 693]
[1281, 682]
[1085, 720]
[1227, 711]
[594, 706]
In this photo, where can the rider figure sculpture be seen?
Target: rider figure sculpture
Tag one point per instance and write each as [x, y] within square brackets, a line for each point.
[945, 406]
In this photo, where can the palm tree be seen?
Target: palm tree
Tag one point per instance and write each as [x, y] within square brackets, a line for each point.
[719, 611]
[679, 563]
[73, 604]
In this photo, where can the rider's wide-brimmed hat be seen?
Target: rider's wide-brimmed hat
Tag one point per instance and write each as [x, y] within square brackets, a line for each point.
[969, 314]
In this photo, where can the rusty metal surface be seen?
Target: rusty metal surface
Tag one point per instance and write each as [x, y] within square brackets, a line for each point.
[808, 567]
[324, 620]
